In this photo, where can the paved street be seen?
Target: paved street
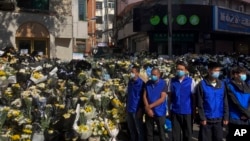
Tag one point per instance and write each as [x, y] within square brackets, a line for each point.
[124, 136]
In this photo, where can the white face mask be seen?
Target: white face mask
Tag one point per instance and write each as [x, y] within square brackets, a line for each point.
[132, 75]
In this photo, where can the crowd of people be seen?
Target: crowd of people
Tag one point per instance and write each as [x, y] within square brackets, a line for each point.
[213, 102]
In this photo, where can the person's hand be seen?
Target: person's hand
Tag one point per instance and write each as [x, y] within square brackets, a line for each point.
[150, 113]
[204, 122]
[225, 122]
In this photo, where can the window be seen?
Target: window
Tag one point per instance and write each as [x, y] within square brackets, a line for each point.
[110, 17]
[98, 5]
[111, 5]
[99, 34]
[33, 4]
[82, 10]
[27, 46]
[99, 20]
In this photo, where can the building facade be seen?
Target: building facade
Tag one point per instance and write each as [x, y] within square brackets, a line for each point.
[209, 26]
[104, 22]
[55, 28]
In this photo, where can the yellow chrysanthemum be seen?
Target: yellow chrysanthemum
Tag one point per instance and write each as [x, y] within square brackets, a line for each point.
[66, 116]
[83, 128]
[88, 109]
[2, 73]
[27, 131]
[15, 137]
[37, 75]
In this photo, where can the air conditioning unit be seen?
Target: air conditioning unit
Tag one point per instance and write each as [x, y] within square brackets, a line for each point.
[7, 4]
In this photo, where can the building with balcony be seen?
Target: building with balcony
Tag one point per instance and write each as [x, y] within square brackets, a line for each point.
[198, 26]
[105, 10]
[53, 28]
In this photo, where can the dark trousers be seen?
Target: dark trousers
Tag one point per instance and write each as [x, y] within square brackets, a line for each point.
[181, 124]
[135, 127]
[212, 131]
[160, 122]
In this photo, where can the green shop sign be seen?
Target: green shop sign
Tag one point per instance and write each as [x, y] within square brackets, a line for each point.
[155, 20]
[180, 20]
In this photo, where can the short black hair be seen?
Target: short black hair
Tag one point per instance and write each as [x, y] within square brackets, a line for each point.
[157, 69]
[212, 65]
[182, 63]
[239, 69]
[137, 68]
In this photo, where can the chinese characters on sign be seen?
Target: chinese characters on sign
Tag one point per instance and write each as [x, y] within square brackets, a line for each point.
[231, 21]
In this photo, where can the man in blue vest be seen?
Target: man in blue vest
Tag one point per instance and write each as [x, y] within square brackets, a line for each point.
[239, 101]
[181, 98]
[134, 105]
[212, 105]
[154, 98]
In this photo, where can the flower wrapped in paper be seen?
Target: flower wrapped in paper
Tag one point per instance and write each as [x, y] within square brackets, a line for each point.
[112, 128]
[84, 131]
[37, 76]
[88, 112]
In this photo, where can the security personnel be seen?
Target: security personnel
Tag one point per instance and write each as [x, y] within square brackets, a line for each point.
[134, 105]
[154, 98]
[239, 101]
[212, 105]
[181, 98]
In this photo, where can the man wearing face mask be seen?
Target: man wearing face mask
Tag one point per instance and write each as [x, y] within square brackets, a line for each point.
[134, 105]
[154, 98]
[212, 105]
[239, 101]
[181, 99]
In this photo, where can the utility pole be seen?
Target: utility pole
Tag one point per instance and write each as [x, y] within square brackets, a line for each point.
[170, 28]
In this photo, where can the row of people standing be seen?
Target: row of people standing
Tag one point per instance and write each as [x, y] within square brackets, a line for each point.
[219, 103]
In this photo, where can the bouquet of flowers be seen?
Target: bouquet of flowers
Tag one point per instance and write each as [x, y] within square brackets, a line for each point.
[112, 128]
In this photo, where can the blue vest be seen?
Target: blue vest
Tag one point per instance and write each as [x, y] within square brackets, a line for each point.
[213, 100]
[154, 93]
[134, 95]
[243, 99]
[181, 95]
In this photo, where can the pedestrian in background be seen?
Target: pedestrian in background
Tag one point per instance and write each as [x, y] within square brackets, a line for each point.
[134, 105]
[154, 99]
[239, 101]
[181, 98]
[212, 105]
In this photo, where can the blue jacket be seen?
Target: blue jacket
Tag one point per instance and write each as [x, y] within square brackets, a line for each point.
[212, 101]
[134, 97]
[181, 95]
[154, 91]
[239, 98]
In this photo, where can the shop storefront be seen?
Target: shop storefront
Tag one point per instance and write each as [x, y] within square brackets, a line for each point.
[189, 22]
[232, 28]
[195, 29]
[32, 37]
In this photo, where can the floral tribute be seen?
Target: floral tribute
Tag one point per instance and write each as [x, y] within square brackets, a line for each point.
[51, 100]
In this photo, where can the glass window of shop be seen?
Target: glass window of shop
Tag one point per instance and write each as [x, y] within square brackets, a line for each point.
[28, 46]
[33, 4]
[79, 49]
[82, 10]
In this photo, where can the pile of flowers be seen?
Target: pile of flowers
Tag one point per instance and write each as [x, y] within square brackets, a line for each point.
[79, 99]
